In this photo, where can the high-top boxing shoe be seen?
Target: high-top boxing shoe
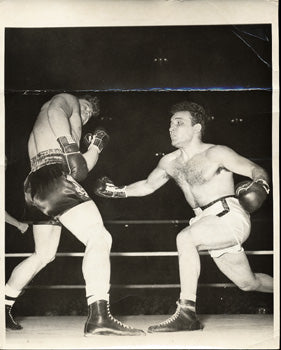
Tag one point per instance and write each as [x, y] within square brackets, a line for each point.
[184, 319]
[10, 322]
[101, 322]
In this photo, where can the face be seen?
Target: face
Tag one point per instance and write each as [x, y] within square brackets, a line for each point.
[181, 129]
[86, 110]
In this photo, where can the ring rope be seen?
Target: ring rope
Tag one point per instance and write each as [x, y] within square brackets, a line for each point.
[157, 222]
[131, 286]
[126, 223]
[130, 254]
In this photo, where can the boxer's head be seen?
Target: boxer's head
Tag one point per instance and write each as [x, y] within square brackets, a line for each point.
[188, 120]
[197, 112]
[89, 107]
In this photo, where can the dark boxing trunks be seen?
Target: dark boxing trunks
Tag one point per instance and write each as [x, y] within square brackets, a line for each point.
[49, 190]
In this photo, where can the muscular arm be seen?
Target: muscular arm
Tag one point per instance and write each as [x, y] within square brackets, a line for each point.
[157, 178]
[65, 121]
[237, 164]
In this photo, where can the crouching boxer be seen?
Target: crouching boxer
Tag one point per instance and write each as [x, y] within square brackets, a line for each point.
[55, 198]
[221, 223]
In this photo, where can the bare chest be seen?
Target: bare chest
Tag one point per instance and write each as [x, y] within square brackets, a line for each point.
[195, 171]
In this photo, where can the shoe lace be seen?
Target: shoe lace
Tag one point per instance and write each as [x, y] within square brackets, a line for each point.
[173, 317]
[115, 320]
[11, 316]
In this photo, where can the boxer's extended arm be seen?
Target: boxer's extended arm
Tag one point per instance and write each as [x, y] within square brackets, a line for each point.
[157, 178]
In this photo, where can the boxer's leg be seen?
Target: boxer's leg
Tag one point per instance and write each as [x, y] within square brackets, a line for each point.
[46, 240]
[189, 270]
[85, 222]
[204, 233]
[236, 267]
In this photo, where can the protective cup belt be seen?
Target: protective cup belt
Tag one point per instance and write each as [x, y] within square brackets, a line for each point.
[51, 156]
[225, 206]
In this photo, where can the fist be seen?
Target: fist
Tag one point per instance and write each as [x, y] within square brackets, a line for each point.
[252, 194]
[99, 139]
[106, 188]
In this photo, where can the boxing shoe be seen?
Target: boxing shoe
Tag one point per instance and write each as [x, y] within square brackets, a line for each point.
[101, 322]
[10, 322]
[184, 319]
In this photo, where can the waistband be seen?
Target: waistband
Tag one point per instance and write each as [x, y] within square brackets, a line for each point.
[221, 199]
[220, 206]
[48, 157]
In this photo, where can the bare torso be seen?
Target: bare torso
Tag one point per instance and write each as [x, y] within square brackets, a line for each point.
[201, 179]
[43, 136]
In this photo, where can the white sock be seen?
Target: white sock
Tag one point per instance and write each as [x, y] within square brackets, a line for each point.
[191, 297]
[93, 298]
[10, 295]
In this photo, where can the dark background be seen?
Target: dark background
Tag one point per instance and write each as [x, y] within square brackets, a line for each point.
[138, 73]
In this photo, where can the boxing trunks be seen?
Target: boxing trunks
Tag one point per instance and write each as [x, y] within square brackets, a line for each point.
[224, 215]
[49, 189]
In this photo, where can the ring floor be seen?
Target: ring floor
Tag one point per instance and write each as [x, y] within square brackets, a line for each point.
[220, 332]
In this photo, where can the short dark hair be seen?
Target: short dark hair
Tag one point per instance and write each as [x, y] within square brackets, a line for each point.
[95, 102]
[198, 113]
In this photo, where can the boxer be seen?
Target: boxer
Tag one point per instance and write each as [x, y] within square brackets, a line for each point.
[221, 224]
[55, 197]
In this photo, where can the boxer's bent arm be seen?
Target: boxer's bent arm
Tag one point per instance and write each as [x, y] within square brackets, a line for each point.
[259, 173]
[157, 178]
[59, 112]
[235, 163]
[91, 157]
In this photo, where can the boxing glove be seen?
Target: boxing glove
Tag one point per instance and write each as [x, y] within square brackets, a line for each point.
[76, 163]
[105, 188]
[99, 139]
[252, 194]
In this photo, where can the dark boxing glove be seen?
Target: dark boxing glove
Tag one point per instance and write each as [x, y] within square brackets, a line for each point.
[99, 139]
[252, 194]
[76, 163]
[105, 188]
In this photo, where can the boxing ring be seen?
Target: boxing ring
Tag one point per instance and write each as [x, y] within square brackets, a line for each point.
[231, 331]
[143, 256]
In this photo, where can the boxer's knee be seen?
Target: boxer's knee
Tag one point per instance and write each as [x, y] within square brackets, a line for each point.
[184, 240]
[248, 285]
[44, 258]
[99, 238]
[107, 238]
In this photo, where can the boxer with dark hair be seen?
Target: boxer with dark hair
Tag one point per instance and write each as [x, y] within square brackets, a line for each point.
[221, 224]
[55, 197]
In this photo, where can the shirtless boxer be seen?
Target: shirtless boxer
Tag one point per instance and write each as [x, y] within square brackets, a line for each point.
[221, 224]
[55, 197]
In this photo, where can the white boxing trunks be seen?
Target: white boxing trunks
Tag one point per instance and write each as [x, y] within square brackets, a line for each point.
[227, 216]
